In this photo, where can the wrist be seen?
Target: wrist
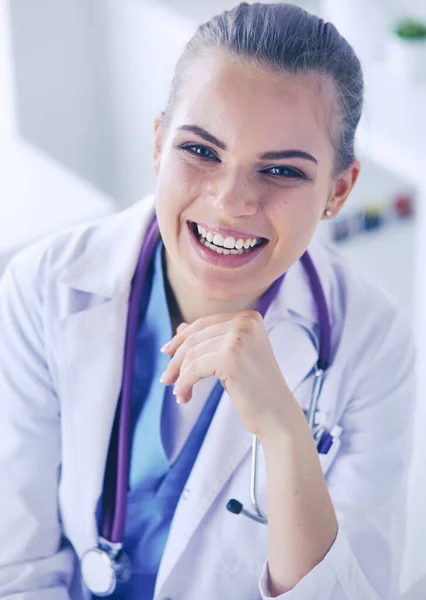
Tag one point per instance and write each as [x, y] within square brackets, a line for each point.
[284, 433]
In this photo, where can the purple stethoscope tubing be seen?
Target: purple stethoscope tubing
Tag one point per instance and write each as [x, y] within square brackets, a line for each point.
[322, 312]
[115, 500]
[114, 509]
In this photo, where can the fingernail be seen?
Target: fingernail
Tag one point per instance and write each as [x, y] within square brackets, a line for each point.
[165, 347]
[179, 399]
[162, 378]
[174, 391]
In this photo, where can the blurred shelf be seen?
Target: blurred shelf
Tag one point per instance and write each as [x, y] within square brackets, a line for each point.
[386, 257]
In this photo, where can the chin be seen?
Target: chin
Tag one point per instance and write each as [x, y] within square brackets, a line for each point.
[217, 288]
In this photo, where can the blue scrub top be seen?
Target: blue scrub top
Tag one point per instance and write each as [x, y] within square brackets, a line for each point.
[145, 537]
[155, 486]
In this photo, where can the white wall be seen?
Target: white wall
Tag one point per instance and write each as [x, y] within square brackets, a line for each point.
[143, 40]
[90, 77]
[38, 197]
[7, 97]
[414, 8]
[201, 11]
[415, 559]
[57, 101]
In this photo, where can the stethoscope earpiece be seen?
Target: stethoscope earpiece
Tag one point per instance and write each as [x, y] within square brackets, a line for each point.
[236, 508]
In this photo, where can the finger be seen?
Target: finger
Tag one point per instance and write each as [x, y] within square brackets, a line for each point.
[206, 364]
[190, 343]
[203, 323]
[210, 347]
[179, 329]
[197, 345]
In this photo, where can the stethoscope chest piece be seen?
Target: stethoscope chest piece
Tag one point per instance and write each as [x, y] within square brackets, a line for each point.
[102, 569]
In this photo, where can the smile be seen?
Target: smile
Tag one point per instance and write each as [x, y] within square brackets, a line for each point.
[225, 244]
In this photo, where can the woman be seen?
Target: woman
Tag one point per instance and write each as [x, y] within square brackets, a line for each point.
[255, 147]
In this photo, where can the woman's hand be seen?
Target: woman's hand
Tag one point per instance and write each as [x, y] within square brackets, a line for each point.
[234, 348]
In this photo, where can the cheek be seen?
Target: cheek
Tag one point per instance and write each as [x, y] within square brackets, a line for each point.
[179, 183]
[295, 216]
[178, 186]
[298, 208]
[305, 213]
[171, 191]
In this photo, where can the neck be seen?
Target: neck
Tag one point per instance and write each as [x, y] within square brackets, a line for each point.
[187, 305]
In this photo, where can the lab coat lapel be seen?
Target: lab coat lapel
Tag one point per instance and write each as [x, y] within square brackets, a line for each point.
[227, 443]
[91, 339]
[91, 387]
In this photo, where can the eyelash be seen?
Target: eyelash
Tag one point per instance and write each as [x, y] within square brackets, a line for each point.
[293, 173]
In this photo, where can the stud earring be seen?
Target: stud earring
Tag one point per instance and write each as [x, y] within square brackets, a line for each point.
[328, 213]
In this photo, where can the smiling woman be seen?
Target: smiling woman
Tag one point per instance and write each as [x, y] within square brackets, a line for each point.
[244, 125]
[212, 294]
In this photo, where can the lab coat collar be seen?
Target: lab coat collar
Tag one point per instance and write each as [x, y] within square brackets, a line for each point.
[108, 252]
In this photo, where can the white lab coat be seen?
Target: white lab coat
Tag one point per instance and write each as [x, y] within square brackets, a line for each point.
[63, 309]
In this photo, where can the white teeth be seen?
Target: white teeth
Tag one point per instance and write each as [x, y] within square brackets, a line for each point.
[226, 245]
[218, 240]
[219, 250]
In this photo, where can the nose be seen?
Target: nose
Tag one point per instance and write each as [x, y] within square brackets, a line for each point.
[236, 197]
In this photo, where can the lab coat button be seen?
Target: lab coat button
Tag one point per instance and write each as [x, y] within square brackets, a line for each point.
[185, 495]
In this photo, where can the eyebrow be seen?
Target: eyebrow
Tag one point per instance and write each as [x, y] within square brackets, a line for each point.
[281, 154]
[274, 155]
[205, 135]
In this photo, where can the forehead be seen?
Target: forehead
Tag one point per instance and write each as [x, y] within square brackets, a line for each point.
[247, 104]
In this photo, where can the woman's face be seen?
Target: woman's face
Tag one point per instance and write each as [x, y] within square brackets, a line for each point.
[245, 165]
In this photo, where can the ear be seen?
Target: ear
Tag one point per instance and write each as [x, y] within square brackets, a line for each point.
[342, 187]
[158, 140]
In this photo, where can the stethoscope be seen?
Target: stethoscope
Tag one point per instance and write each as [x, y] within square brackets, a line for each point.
[107, 564]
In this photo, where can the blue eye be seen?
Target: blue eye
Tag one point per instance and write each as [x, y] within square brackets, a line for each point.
[199, 150]
[285, 173]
